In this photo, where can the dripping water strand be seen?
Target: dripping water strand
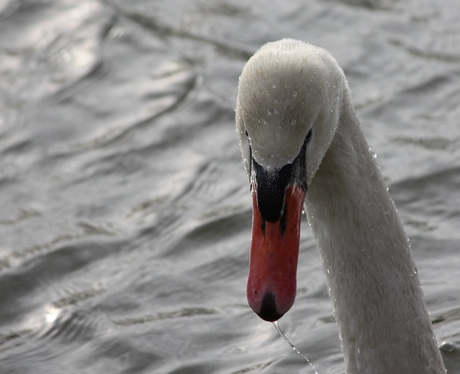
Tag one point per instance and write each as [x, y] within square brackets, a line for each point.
[278, 328]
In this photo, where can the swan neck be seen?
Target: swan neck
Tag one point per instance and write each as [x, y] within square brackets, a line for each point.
[378, 303]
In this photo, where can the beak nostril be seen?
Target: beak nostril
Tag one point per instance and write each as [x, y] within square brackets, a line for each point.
[262, 225]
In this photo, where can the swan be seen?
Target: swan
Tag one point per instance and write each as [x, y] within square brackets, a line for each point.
[303, 148]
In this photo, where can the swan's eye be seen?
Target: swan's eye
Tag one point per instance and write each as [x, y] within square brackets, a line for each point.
[309, 135]
[246, 133]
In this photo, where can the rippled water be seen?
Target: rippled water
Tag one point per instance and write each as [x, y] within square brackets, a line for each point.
[125, 219]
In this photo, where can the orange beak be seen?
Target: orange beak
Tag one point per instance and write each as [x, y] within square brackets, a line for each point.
[272, 284]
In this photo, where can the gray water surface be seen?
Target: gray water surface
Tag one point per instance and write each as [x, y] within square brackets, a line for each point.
[125, 211]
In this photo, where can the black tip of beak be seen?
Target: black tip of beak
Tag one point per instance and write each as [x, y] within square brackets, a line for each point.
[268, 310]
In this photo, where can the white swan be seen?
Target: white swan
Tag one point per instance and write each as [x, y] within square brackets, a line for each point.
[300, 139]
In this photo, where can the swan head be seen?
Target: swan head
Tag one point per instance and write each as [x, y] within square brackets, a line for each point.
[287, 113]
[287, 89]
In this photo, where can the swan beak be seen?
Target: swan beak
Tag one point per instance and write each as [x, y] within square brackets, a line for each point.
[271, 284]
